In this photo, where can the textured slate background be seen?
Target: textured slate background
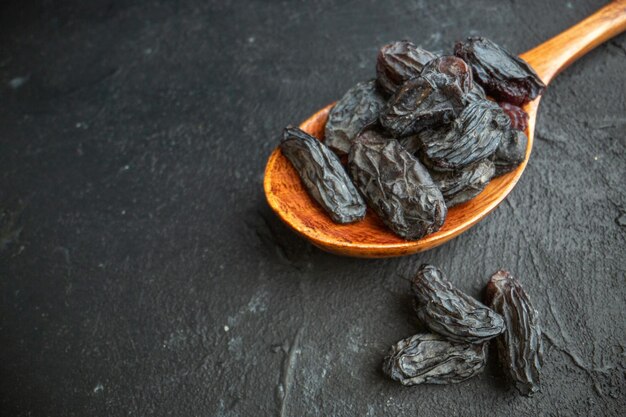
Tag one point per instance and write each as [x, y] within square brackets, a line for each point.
[142, 272]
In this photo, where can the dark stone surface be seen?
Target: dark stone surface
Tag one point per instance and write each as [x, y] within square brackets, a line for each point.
[142, 273]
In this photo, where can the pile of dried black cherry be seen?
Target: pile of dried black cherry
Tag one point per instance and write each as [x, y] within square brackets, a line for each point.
[429, 133]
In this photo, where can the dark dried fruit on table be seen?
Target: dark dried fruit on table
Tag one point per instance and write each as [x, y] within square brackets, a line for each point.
[398, 62]
[473, 136]
[396, 186]
[358, 108]
[503, 75]
[460, 186]
[450, 312]
[323, 176]
[519, 118]
[520, 349]
[511, 151]
[430, 359]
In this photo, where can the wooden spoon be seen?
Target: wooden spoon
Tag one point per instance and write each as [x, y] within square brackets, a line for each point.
[369, 238]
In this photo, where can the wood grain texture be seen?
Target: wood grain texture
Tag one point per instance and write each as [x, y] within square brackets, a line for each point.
[370, 238]
[557, 53]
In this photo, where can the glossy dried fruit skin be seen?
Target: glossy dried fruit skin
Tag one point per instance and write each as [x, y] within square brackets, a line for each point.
[451, 72]
[323, 176]
[511, 151]
[519, 118]
[450, 312]
[520, 349]
[470, 138]
[431, 359]
[398, 62]
[475, 93]
[503, 75]
[418, 104]
[434, 98]
[359, 107]
[396, 186]
[460, 186]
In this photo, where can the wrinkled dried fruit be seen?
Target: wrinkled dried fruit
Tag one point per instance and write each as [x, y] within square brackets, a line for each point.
[472, 137]
[511, 151]
[520, 349]
[450, 312]
[476, 93]
[519, 118]
[460, 186]
[411, 144]
[434, 98]
[358, 108]
[397, 186]
[418, 104]
[449, 72]
[398, 62]
[323, 176]
[431, 359]
[503, 75]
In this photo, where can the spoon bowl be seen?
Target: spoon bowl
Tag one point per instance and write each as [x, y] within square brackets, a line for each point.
[370, 238]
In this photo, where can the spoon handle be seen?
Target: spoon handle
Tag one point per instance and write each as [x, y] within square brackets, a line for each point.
[556, 54]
